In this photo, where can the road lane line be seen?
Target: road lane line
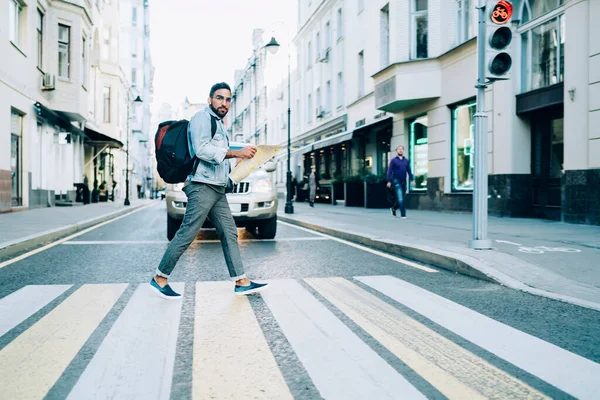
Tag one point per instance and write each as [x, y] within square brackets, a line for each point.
[339, 363]
[136, 358]
[567, 371]
[453, 370]
[129, 242]
[32, 363]
[22, 304]
[364, 248]
[56, 243]
[232, 359]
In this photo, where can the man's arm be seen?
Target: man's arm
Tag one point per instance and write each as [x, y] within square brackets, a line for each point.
[410, 175]
[246, 152]
[201, 136]
[389, 171]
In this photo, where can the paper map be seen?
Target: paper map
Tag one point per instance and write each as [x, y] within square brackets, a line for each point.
[245, 167]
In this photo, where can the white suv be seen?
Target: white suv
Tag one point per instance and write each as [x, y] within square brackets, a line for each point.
[253, 203]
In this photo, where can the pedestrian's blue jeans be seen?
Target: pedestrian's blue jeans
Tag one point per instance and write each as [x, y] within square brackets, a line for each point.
[400, 193]
[203, 202]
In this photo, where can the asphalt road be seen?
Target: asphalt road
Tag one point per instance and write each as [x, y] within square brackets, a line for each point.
[339, 321]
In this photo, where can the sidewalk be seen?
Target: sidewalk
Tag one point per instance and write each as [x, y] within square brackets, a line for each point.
[547, 258]
[22, 230]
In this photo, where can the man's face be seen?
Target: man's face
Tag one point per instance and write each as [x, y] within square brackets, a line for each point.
[400, 150]
[220, 102]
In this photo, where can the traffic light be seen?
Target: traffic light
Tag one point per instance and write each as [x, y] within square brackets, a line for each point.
[498, 61]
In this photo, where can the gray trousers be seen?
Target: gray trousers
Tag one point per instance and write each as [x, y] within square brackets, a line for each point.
[203, 202]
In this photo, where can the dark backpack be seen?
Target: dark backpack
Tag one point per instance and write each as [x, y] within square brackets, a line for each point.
[174, 163]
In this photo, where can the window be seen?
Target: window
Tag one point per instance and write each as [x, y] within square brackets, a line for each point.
[134, 17]
[318, 46]
[533, 9]
[309, 59]
[134, 77]
[361, 5]
[385, 35]
[340, 24]
[15, 22]
[83, 61]
[328, 36]
[543, 49]
[328, 97]
[340, 89]
[361, 74]
[106, 104]
[463, 137]
[309, 109]
[134, 46]
[64, 57]
[16, 132]
[466, 20]
[418, 151]
[40, 39]
[319, 103]
[419, 29]
[106, 43]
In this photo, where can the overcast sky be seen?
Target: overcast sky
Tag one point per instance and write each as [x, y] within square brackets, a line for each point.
[196, 43]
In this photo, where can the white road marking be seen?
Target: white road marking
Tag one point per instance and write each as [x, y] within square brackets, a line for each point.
[507, 242]
[364, 248]
[567, 371]
[56, 243]
[454, 371]
[232, 359]
[131, 242]
[22, 304]
[32, 363]
[136, 358]
[339, 363]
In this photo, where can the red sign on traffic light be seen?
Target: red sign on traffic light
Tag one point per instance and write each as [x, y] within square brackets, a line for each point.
[502, 12]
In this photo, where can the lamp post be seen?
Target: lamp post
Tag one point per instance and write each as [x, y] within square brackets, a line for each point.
[127, 202]
[273, 47]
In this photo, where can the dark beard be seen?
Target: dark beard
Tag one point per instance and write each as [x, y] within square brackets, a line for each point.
[217, 112]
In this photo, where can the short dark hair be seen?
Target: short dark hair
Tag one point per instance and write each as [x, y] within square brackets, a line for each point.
[218, 86]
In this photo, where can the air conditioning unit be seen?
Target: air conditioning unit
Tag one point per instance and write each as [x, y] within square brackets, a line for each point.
[48, 82]
[320, 112]
[323, 55]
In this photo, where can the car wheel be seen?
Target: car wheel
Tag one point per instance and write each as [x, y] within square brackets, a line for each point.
[173, 225]
[268, 228]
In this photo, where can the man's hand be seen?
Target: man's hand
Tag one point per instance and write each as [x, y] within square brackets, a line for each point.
[245, 153]
[389, 185]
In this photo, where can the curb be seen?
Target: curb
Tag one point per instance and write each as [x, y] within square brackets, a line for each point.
[8, 249]
[459, 263]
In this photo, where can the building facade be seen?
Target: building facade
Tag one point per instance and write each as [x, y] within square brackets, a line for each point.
[63, 92]
[372, 75]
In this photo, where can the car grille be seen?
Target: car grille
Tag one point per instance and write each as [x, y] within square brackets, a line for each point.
[244, 207]
[242, 187]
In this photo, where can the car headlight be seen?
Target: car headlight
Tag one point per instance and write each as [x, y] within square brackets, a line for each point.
[261, 186]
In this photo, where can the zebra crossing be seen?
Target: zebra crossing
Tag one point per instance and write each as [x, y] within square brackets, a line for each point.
[232, 358]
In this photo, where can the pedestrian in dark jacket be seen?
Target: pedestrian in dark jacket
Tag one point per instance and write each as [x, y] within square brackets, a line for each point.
[396, 177]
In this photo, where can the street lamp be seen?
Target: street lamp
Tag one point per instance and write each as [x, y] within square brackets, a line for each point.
[127, 202]
[273, 47]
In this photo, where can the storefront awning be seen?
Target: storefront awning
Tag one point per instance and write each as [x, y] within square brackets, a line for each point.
[363, 129]
[100, 139]
[56, 118]
[332, 140]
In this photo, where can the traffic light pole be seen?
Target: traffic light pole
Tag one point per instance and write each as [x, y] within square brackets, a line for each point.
[480, 190]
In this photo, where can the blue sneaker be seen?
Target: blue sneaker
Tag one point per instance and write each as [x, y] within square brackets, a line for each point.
[250, 289]
[165, 292]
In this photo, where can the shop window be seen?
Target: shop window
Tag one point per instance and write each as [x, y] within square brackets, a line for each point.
[418, 151]
[463, 136]
[16, 134]
[419, 35]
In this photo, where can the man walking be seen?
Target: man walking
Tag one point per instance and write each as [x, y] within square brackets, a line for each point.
[396, 175]
[312, 184]
[205, 190]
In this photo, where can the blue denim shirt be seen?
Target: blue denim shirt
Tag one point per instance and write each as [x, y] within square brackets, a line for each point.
[212, 168]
